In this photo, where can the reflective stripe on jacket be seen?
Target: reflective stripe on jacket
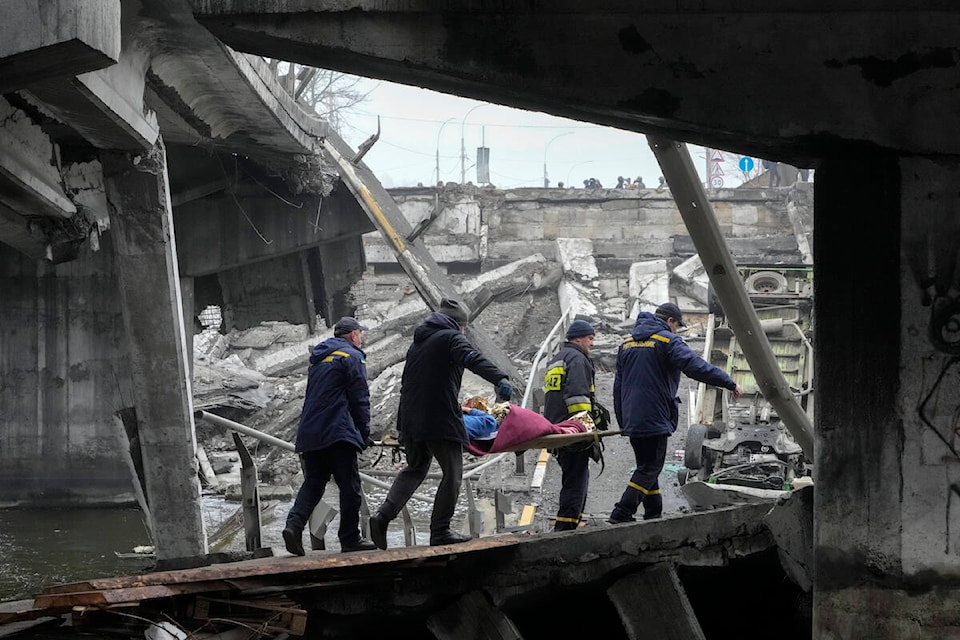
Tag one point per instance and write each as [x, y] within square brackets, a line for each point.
[568, 383]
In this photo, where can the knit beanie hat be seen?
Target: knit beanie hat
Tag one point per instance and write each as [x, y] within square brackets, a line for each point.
[454, 310]
[579, 328]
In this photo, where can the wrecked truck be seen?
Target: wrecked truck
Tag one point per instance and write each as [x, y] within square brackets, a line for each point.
[742, 445]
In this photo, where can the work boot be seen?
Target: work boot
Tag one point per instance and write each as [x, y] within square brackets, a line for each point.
[378, 531]
[447, 537]
[293, 540]
[360, 545]
[615, 520]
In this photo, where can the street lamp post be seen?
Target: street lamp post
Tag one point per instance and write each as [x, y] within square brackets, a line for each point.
[579, 164]
[463, 147]
[546, 179]
[438, 147]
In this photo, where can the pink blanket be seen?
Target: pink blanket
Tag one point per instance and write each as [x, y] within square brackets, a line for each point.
[521, 425]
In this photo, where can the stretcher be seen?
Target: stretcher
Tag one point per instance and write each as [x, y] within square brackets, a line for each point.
[521, 429]
[550, 441]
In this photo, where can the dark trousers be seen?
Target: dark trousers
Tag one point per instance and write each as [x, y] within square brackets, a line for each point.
[449, 455]
[644, 485]
[573, 488]
[340, 461]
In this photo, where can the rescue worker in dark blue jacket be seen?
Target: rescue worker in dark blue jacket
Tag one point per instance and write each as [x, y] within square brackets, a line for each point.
[568, 390]
[646, 404]
[430, 419]
[334, 428]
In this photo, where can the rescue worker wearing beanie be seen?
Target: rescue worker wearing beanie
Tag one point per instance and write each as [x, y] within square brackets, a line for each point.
[430, 419]
[334, 428]
[568, 387]
[645, 401]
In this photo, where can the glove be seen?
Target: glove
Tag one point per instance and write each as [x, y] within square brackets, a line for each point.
[601, 416]
[504, 390]
[369, 443]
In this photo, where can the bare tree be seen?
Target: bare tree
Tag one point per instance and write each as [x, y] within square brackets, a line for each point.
[329, 94]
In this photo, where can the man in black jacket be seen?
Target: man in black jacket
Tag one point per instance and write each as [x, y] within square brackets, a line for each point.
[568, 387]
[430, 420]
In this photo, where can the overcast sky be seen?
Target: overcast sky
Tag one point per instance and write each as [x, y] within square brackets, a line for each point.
[417, 123]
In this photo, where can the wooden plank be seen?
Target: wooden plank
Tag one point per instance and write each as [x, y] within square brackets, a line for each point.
[653, 604]
[104, 597]
[472, 617]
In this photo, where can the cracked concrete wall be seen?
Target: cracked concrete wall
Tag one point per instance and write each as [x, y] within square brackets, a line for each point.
[65, 367]
[625, 225]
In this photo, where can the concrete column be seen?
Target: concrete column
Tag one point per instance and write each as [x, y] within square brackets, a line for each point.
[146, 264]
[188, 301]
[653, 604]
[887, 466]
[472, 617]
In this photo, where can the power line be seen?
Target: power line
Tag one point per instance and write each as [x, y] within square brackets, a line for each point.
[386, 142]
[475, 124]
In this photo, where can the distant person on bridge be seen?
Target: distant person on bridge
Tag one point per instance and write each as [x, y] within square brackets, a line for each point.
[645, 401]
[430, 419]
[773, 170]
[568, 390]
[334, 428]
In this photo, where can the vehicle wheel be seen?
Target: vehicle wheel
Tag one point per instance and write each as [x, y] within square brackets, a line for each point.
[682, 476]
[693, 452]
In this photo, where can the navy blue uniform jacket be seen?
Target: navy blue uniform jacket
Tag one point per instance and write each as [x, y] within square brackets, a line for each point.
[336, 406]
[429, 409]
[649, 364]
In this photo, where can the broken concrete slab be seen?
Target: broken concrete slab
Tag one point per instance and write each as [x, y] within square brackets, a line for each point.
[791, 524]
[229, 382]
[649, 285]
[575, 255]
[693, 279]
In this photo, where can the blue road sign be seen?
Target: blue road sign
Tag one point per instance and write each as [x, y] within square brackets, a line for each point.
[746, 164]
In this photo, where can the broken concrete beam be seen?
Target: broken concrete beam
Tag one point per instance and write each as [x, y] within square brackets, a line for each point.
[533, 272]
[30, 182]
[288, 359]
[649, 285]
[229, 382]
[385, 353]
[666, 612]
[575, 256]
[791, 523]
[57, 39]
[577, 299]
[579, 291]
[694, 279]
